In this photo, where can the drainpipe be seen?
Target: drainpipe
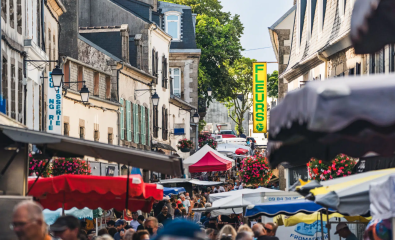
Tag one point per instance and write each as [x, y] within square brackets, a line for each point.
[325, 60]
[119, 114]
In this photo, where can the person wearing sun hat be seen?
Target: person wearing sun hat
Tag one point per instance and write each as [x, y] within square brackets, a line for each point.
[344, 232]
[181, 229]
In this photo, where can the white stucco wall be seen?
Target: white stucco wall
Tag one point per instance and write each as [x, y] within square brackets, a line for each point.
[161, 42]
[91, 115]
[178, 116]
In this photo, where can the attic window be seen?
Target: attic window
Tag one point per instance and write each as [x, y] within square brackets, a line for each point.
[173, 25]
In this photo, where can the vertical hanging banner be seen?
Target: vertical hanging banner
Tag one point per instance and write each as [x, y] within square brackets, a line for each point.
[54, 107]
[259, 92]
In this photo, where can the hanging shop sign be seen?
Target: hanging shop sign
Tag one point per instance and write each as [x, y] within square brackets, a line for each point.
[259, 91]
[54, 107]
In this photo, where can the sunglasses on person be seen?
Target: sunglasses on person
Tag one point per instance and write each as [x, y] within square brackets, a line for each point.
[268, 229]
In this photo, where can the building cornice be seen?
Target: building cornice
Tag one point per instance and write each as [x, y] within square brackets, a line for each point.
[155, 28]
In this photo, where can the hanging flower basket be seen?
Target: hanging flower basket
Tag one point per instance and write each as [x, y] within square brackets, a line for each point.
[207, 139]
[185, 145]
[185, 150]
[255, 170]
[341, 166]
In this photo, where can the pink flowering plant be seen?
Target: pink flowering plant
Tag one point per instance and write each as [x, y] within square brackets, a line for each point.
[255, 170]
[207, 139]
[185, 143]
[36, 165]
[341, 166]
[78, 166]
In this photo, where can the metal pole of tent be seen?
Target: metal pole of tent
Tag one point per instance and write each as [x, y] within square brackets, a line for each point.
[393, 227]
[127, 192]
[328, 225]
[322, 226]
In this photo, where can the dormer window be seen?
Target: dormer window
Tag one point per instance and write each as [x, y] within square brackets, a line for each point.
[173, 24]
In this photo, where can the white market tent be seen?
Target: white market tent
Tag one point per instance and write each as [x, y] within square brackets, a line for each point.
[188, 180]
[200, 154]
[235, 201]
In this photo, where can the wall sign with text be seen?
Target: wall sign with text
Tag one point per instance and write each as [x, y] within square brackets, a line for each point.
[259, 92]
[54, 107]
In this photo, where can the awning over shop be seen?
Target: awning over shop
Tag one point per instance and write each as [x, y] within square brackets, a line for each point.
[69, 191]
[326, 118]
[211, 162]
[288, 208]
[62, 146]
[348, 195]
[163, 146]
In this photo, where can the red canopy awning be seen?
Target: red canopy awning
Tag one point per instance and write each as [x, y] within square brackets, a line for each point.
[81, 191]
[210, 163]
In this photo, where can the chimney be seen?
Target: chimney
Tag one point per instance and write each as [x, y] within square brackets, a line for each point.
[153, 3]
[68, 41]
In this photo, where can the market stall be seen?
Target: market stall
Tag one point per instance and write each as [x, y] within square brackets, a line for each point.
[211, 162]
[201, 154]
[80, 191]
[348, 195]
[326, 118]
[173, 190]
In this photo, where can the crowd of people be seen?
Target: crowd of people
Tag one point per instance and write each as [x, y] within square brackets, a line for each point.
[28, 224]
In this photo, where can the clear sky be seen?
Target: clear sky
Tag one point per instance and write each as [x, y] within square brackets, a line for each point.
[257, 16]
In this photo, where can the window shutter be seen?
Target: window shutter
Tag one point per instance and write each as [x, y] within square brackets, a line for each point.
[148, 128]
[122, 120]
[128, 121]
[156, 66]
[143, 125]
[134, 122]
[137, 124]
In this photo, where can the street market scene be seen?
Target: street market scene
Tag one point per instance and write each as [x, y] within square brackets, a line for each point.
[197, 120]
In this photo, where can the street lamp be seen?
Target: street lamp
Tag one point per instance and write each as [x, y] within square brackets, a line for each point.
[57, 77]
[84, 94]
[209, 91]
[155, 99]
[196, 117]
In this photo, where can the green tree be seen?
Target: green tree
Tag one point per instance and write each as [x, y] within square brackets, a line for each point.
[218, 36]
[272, 84]
[240, 100]
[220, 45]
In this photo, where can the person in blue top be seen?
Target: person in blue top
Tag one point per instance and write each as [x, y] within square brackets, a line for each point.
[344, 232]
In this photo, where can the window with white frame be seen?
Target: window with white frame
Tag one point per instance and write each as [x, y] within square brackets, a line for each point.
[342, 7]
[175, 74]
[321, 14]
[173, 24]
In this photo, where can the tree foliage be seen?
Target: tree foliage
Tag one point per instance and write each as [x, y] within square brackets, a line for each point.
[218, 36]
[240, 98]
[272, 84]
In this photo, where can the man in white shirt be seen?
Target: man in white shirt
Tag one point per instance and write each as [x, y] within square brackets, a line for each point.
[134, 223]
[185, 202]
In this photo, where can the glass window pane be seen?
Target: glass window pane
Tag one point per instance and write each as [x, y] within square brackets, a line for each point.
[172, 29]
[176, 82]
[172, 17]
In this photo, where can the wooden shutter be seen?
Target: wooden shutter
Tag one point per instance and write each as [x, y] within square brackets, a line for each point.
[148, 128]
[122, 120]
[128, 121]
[143, 125]
[134, 122]
[156, 66]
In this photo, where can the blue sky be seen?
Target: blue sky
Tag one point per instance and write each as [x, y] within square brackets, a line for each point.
[257, 16]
